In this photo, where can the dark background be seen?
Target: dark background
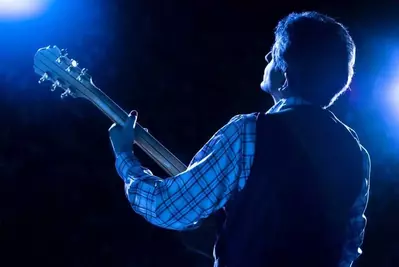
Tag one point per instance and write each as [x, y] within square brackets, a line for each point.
[187, 67]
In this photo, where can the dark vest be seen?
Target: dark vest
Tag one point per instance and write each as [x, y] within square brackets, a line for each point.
[295, 206]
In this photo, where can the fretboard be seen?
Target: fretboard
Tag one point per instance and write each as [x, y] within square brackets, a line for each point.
[151, 146]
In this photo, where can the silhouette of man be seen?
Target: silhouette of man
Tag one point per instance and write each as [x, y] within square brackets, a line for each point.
[293, 182]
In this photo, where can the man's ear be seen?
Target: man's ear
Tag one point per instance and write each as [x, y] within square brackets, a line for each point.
[283, 89]
[285, 81]
[279, 76]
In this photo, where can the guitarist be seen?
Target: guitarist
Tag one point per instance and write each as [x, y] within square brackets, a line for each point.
[293, 182]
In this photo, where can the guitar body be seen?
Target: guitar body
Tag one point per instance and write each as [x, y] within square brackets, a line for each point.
[53, 65]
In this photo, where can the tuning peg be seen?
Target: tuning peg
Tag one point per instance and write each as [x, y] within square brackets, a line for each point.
[44, 78]
[71, 67]
[64, 52]
[65, 94]
[55, 85]
[84, 71]
[74, 63]
[60, 59]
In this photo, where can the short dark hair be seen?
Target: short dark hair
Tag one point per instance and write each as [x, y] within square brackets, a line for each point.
[318, 55]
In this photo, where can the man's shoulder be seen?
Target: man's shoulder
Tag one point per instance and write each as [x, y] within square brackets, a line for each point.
[365, 153]
[244, 118]
[240, 124]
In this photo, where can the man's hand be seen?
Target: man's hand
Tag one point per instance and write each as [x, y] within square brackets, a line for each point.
[122, 137]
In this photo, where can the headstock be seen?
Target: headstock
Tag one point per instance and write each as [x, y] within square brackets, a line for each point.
[53, 65]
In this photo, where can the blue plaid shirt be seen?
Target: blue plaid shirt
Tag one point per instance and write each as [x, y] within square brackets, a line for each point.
[220, 167]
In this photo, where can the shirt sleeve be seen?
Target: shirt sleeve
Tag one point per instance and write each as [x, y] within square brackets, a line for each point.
[180, 202]
[357, 223]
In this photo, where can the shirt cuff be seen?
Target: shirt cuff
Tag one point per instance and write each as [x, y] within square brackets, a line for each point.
[124, 162]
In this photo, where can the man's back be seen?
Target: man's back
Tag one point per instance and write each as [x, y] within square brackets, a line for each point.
[300, 199]
[298, 202]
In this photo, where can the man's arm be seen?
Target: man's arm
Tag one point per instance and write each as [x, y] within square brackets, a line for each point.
[181, 201]
[357, 224]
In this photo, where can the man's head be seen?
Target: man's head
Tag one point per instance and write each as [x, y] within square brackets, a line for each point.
[312, 57]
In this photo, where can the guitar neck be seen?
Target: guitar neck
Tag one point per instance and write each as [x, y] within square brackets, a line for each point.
[151, 146]
[53, 65]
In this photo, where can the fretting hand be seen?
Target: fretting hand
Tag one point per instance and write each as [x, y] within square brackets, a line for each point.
[122, 137]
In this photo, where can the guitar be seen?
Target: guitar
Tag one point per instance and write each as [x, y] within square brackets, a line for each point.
[53, 65]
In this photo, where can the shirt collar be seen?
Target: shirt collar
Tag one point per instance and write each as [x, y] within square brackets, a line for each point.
[287, 102]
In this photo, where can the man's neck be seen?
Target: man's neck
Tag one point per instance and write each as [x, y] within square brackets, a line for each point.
[276, 99]
[280, 94]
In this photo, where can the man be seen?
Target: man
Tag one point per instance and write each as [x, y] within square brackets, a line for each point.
[293, 182]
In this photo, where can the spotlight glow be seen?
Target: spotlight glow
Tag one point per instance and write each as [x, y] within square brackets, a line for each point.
[22, 9]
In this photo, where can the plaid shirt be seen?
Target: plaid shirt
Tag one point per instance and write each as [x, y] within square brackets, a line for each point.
[220, 167]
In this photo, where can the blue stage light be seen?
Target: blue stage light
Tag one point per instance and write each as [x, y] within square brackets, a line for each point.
[22, 9]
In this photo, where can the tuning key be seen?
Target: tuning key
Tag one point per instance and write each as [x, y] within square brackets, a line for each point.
[55, 85]
[71, 68]
[74, 63]
[60, 59]
[82, 76]
[65, 94]
[44, 78]
[84, 71]
[64, 52]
